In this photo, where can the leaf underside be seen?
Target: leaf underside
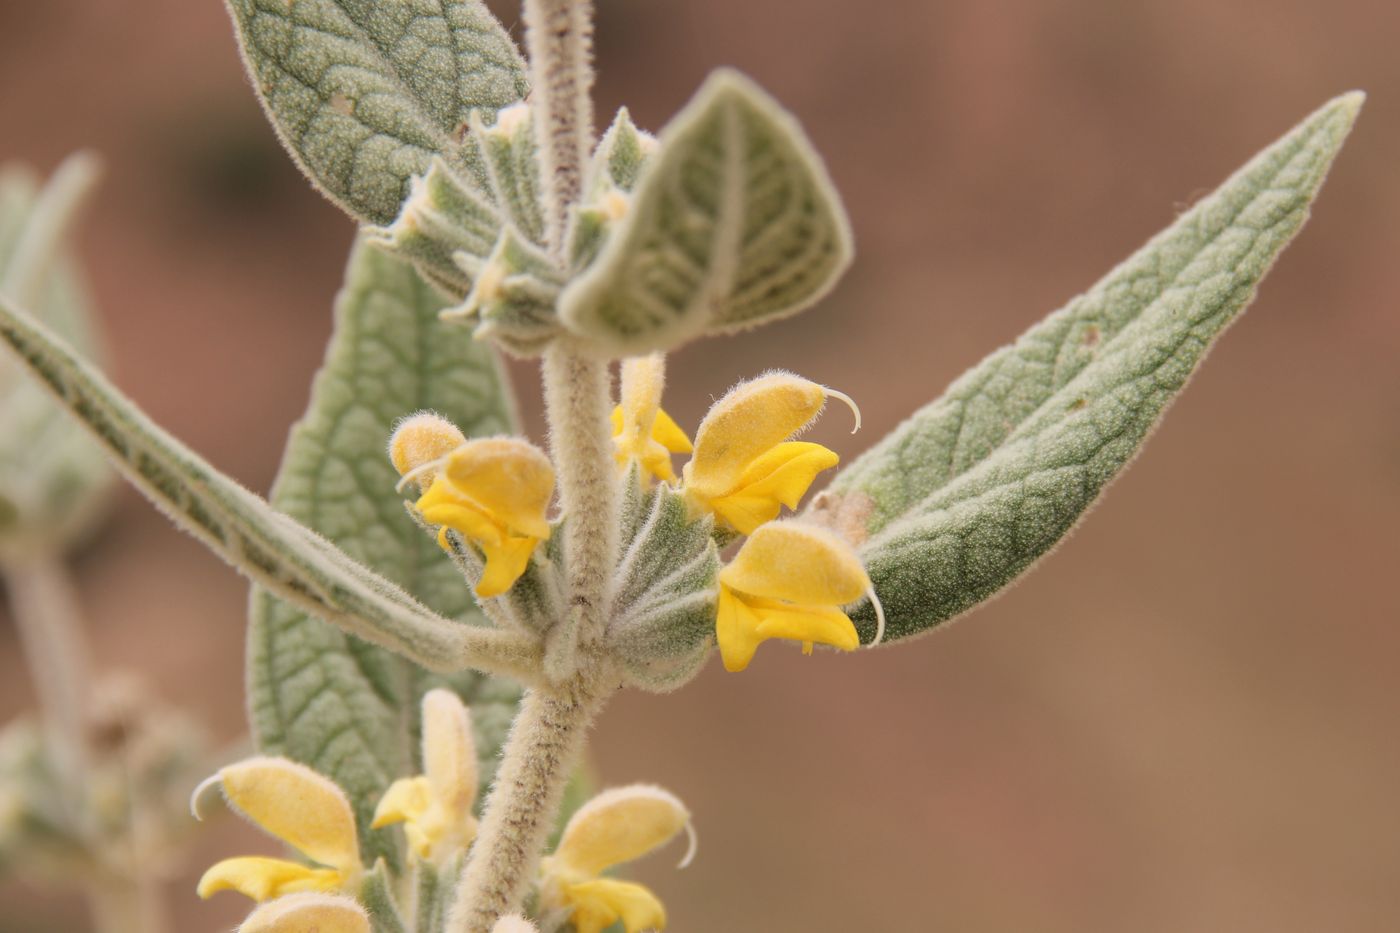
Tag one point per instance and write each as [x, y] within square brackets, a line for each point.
[732, 223]
[972, 489]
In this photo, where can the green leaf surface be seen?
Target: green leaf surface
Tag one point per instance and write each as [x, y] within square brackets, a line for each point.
[364, 93]
[318, 695]
[732, 223]
[971, 490]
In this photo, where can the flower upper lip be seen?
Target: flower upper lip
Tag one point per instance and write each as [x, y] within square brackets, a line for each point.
[303, 809]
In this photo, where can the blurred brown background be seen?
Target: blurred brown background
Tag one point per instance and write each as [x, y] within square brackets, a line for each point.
[1186, 719]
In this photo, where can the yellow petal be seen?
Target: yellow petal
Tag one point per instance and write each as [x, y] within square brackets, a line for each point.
[779, 477]
[421, 439]
[264, 878]
[656, 460]
[449, 753]
[752, 417]
[509, 479]
[300, 913]
[297, 805]
[643, 378]
[824, 625]
[406, 799]
[421, 818]
[505, 562]
[798, 562]
[668, 434]
[736, 631]
[642, 431]
[745, 622]
[600, 903]
[618, 826]
[466, 518]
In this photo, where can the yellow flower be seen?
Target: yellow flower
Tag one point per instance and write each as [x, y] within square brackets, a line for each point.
[642, 431]
[300, 807]
[419, 443]
[745, 469]
[616, 826]
[436, 806]
[789, 580]
[298, 913]
[494, 491]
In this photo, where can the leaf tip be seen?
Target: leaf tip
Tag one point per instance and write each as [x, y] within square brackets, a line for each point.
[1339, 114]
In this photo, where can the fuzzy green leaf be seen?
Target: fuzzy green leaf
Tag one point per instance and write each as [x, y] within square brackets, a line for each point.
[664, 590]
[321, 696]
[612, 175]
[377, 896]
[972, 489]
[363, 94]
[732, 223]
[266, 545]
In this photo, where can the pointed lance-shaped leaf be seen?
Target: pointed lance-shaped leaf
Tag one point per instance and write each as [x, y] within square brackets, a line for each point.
[365, 94]
[732, 223]
[973, 488]
[317, 694]
[272, 549]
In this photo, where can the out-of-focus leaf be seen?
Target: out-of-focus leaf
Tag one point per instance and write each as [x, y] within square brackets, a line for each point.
[53, 477]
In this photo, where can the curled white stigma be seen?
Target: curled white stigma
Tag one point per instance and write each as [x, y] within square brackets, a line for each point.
[199, 800]
[693, 847]
[850, 403]
[879, 616]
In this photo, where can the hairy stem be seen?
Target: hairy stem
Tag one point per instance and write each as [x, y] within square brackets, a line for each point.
[577, 392]
[538, 759]
[549, 730]
[559, 43]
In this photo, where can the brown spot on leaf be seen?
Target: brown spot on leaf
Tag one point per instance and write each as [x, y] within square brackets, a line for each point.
[846, 513]
[1092, 334]
[342, 104]
[1078, 404]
